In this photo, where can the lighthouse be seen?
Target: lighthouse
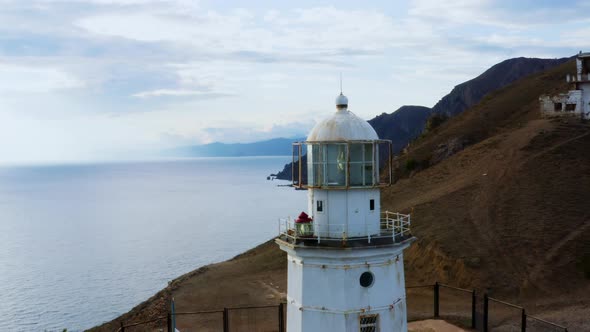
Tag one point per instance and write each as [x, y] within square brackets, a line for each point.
[345, 255]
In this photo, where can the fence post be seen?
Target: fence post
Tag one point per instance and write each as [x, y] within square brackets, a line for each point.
[436, 288]
[485, 312]
[122, 327]
[169, 322]
[225, 320]
[523, 321]
[281, 317]
[473, 312]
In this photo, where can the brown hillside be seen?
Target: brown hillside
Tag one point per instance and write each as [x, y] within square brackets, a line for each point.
[502, 110]
[509, 212]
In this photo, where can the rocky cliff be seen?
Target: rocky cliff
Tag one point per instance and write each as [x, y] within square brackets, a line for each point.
[471, 92]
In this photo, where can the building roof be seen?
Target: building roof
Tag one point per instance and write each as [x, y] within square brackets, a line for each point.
[584, 55]
[342, 126]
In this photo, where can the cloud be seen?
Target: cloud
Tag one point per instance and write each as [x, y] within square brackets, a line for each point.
[32, 79]
[152, 72]
[241, 134]
[315, 32]
[501, 14]
[179, 93]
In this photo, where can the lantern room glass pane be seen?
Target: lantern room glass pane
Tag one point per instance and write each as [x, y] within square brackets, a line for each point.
[315, 166]
[356, 174]
[318, 171]
[368, 174]
[368, 152]
[356, 164]
[316, 152]
[310, 170]
[336, 175]
[335, 152]
[336, 164]
[356, 153]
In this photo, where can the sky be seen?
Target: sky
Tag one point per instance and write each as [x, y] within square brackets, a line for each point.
[84, 80]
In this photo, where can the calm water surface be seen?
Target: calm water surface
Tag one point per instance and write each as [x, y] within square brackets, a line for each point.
[81, 244]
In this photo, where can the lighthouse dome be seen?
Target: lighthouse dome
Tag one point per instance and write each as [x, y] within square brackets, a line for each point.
[342, 126]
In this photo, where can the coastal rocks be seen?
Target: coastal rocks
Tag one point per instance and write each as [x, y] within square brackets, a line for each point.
[287, 172]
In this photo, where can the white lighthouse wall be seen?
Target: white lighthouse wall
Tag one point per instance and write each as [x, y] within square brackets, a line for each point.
[294, 289]
[322, 283]
[332, 298]
[585, 87]
[345, 211]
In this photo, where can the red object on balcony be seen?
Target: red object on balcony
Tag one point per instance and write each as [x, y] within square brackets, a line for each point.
[303, 219]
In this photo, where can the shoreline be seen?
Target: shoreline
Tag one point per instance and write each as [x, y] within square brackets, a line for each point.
[250, 261]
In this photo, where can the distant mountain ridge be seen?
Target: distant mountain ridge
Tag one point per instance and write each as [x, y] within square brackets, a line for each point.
[401, 126]
[271, 147]
[499, 75]
[408, 122]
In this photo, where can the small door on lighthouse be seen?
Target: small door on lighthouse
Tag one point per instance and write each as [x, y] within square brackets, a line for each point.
[337, 212]
[356, 213]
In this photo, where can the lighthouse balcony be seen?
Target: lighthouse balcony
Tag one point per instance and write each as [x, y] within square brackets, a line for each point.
[578, 78]
[393, 228]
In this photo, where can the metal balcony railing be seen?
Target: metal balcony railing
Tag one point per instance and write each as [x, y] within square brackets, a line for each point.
[392, 225]
[577, 78]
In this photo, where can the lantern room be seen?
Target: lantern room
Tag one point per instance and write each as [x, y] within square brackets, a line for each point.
[343, 163]
[342, 152]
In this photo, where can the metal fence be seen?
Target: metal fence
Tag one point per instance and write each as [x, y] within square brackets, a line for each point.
[503, 316]
[235, 319]
[455, 305]
[419, 301]
[540, 325]
[440, 301]
[201, 320]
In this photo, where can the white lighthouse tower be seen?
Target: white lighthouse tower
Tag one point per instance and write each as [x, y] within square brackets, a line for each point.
[345, 257]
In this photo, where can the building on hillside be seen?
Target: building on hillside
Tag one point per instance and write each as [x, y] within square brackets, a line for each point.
[345, 257]
[576, 102]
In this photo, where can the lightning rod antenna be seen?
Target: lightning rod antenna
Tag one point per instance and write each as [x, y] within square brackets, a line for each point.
[340, 82]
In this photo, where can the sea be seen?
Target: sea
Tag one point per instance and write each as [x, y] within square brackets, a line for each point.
[81, 244]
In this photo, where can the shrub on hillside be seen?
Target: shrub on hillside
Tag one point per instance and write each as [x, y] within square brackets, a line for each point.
[411, 164]
[434, 121]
